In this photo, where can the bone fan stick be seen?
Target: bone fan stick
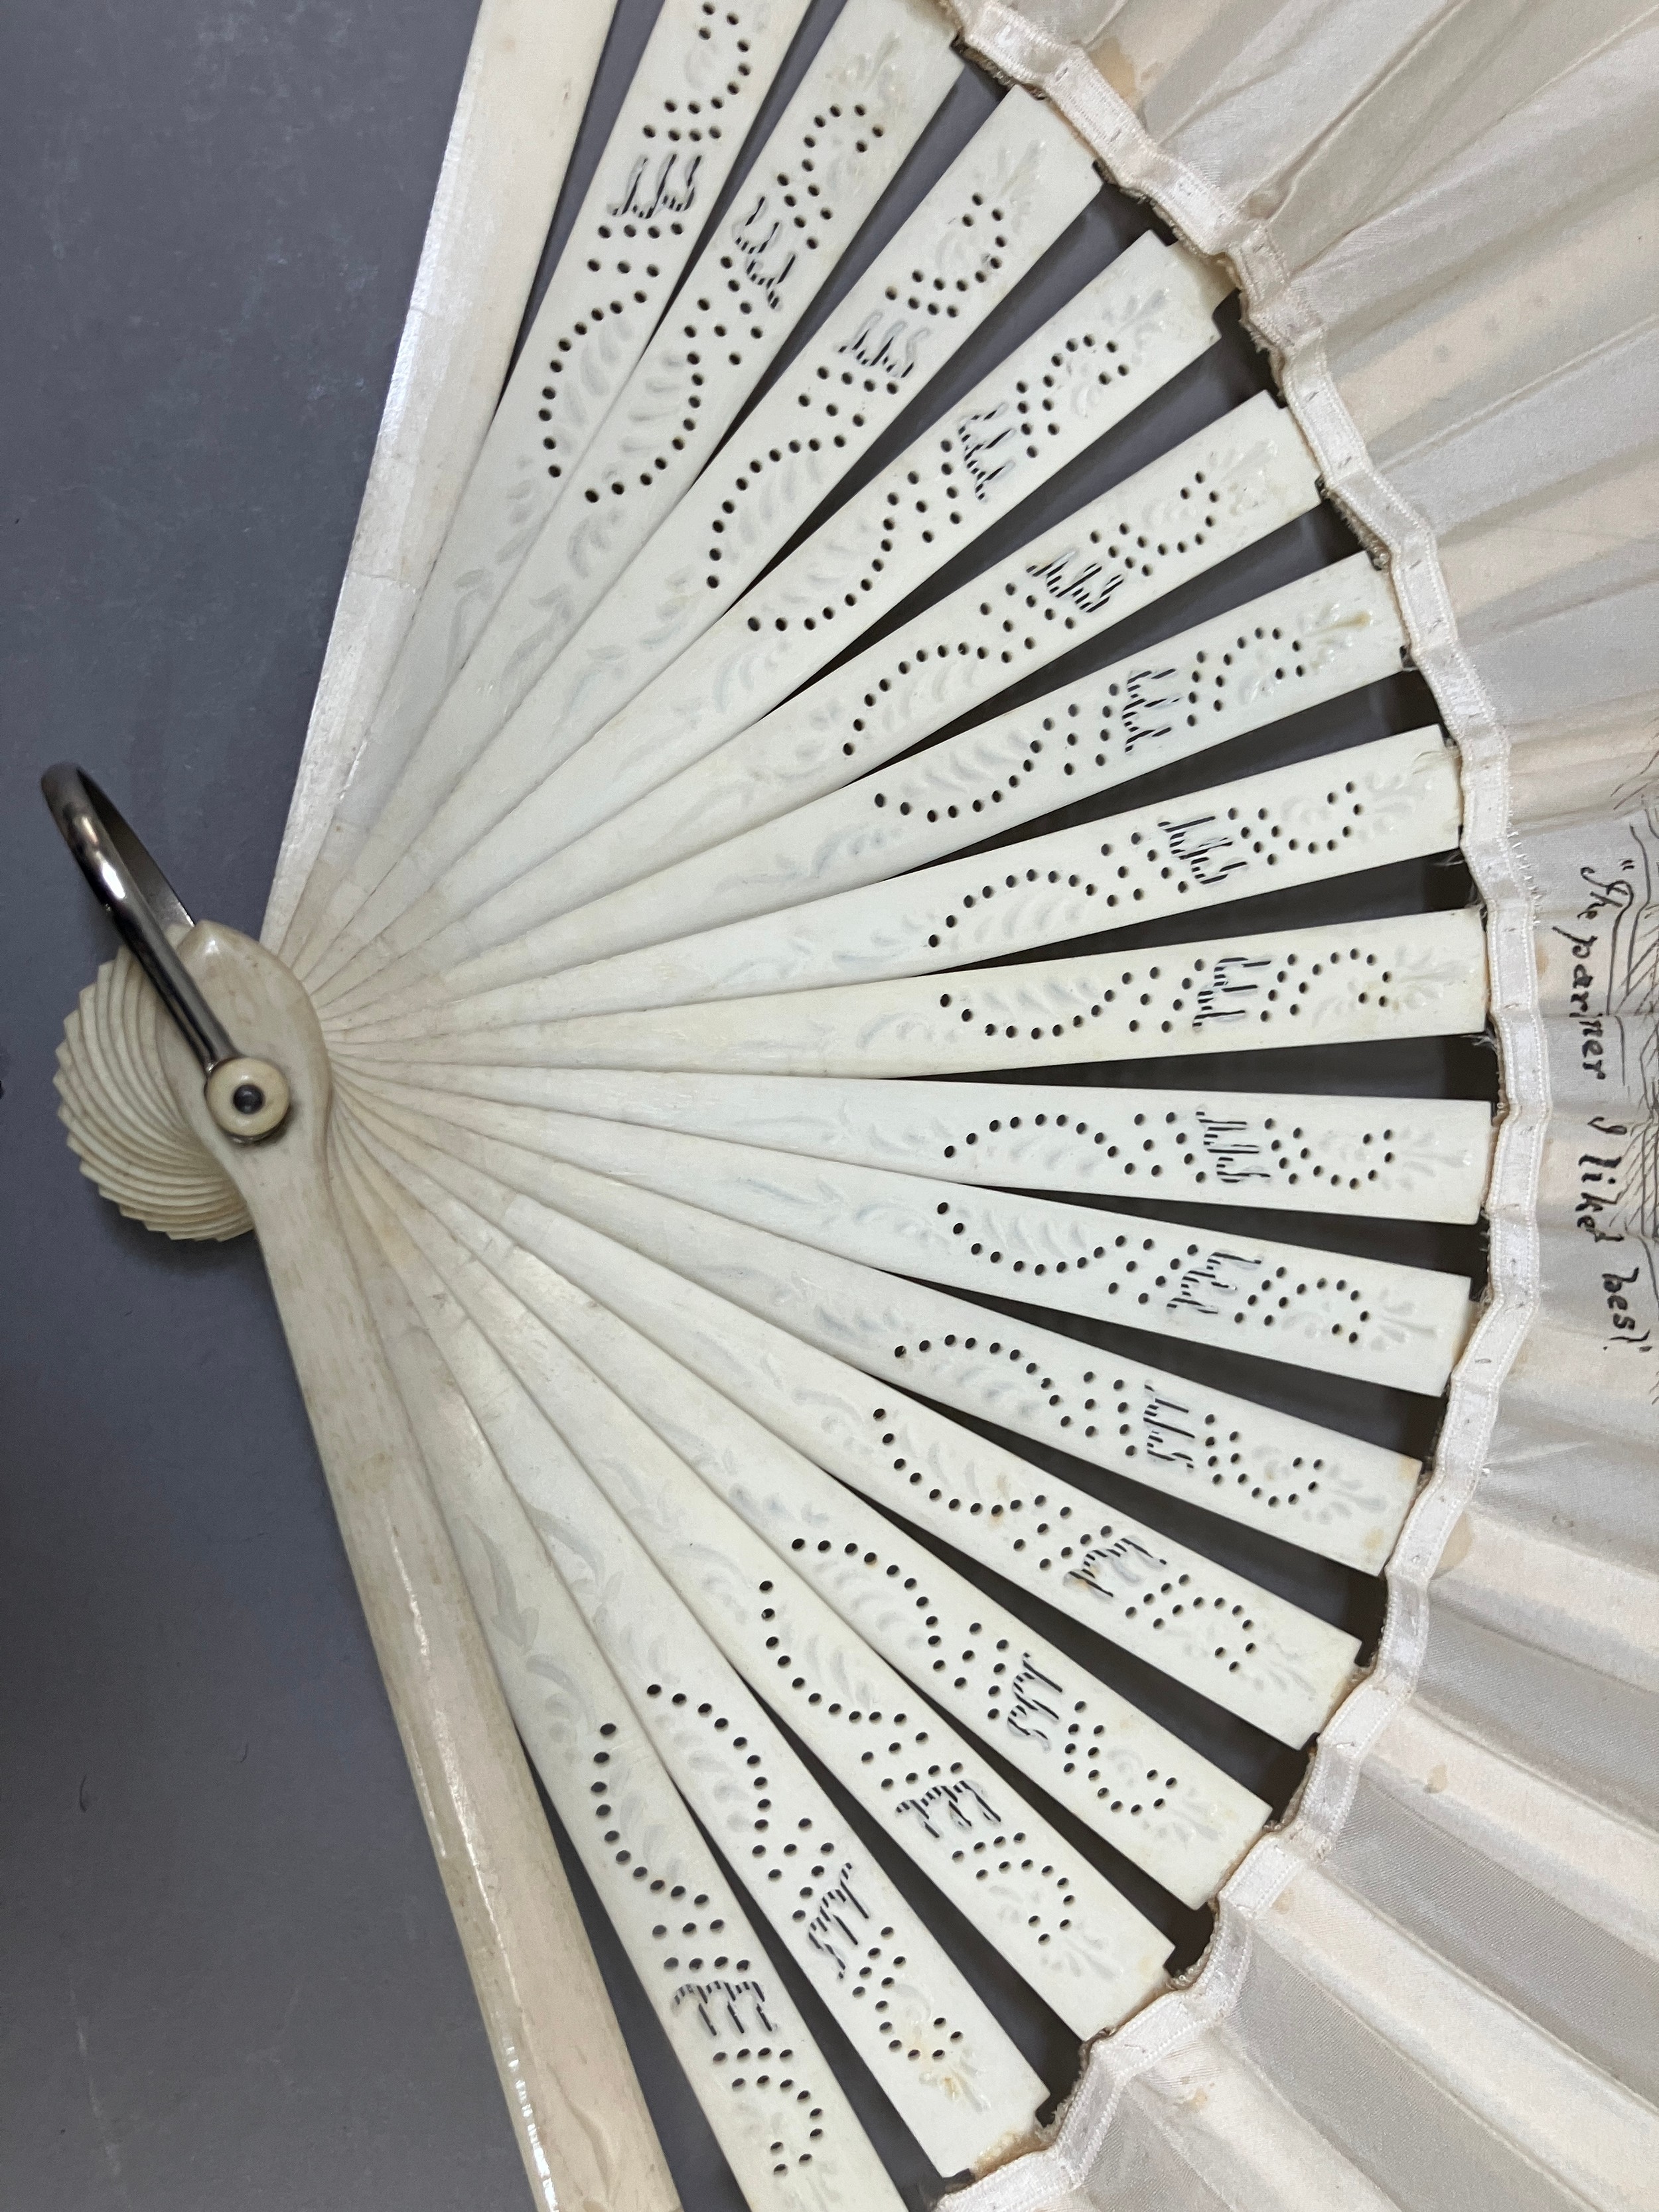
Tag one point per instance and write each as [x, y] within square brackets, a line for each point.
[582, 2122]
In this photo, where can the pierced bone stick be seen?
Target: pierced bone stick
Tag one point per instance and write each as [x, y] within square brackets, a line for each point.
[583, 2129]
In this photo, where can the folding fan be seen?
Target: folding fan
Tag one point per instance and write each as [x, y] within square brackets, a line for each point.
[670, 1109]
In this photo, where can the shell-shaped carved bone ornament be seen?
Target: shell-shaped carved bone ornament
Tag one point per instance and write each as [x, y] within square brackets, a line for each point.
[124, 1122]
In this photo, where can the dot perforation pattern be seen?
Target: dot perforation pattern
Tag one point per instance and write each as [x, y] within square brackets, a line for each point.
[1058, 1921]
[815, 832]
[1416, 1158]
[1153, 306]
[776, 1326]
[776, 2108]
[1254, 461]
[1406, 975]
[1024, 160]
[868, 93]
[1396, 798]
[841, 1919]
[1286, 1682]
[947, 1637]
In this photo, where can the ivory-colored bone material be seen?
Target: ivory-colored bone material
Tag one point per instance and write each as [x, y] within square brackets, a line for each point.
[582, 2122]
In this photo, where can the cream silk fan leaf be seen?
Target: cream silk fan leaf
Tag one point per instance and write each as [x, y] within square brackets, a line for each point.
[745, 1285]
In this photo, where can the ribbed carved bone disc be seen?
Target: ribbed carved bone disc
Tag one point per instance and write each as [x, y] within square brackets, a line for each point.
[123, 1121]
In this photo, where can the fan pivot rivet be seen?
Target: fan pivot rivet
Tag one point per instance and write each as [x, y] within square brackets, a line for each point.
[248, 1098]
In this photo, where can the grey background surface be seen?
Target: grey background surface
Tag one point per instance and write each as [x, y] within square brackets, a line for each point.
[230, 1978]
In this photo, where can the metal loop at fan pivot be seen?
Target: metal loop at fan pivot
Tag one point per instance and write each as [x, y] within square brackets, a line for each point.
[248, 1098]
